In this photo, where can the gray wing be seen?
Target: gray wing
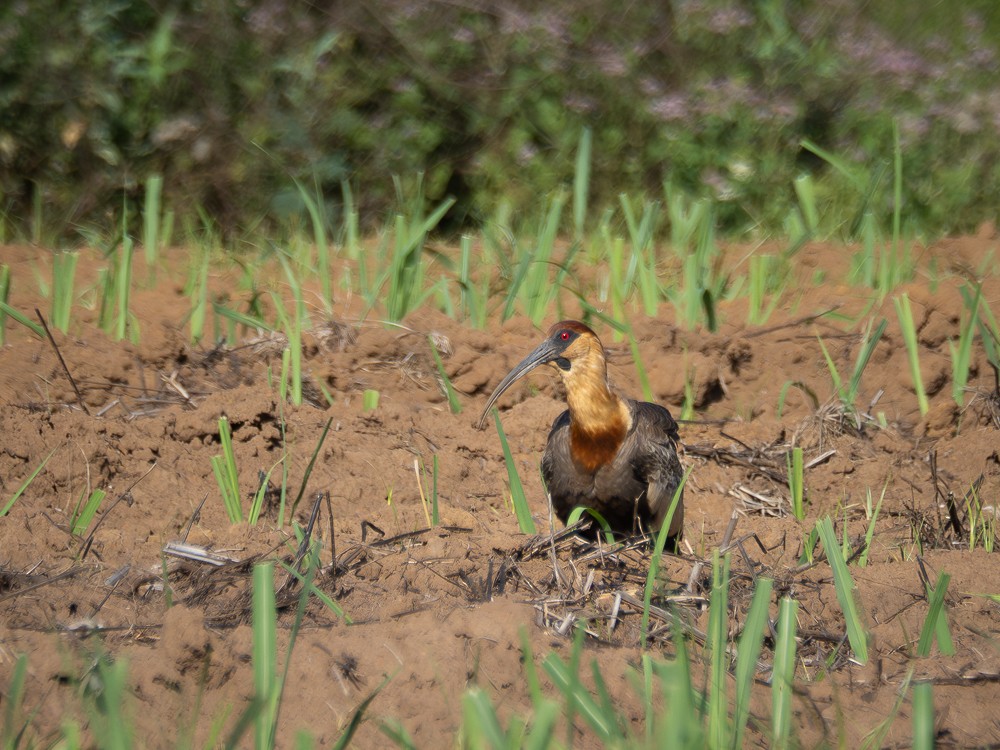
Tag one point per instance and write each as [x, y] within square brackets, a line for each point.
[656, 463]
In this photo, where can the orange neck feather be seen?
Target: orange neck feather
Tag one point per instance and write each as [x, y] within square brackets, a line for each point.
[599, 418]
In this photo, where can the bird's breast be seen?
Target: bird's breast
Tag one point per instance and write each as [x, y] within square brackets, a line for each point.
[592, 450]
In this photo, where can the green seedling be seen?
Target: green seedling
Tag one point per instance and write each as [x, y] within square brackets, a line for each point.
[157, 225]
[453, 403]
[718, 644]
[257, 503]
[4, 300]
[531, 283]
[313, 204]
[805, 191]
[472, 300]
[796, 483]
[982, 525]
[936, 623]
[961, 355]
[783, 675]
[264, 655]
[13, 728]
[405, 273]
[847, 594]
[350, 239]
[226, 476]
[872, 518]
[519, 500]
[581, 510]
[310, 465]
[923, 717]
[23, 319]
[902, 303]
[293, 324]
[806, 390]
[82, 516]
[848, 393]
[642, 267]
[369, 400]
[63, 278]
[654, 563]
[581, 183]
[27, 482]
[748, 651]
[198, 283]
[599, 715]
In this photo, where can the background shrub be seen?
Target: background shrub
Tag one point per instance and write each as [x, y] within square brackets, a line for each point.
[233, 100]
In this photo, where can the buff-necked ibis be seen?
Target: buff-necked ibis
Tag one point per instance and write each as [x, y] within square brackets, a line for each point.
[607, 452]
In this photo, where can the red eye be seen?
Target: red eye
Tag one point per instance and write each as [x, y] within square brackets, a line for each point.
[564, 335]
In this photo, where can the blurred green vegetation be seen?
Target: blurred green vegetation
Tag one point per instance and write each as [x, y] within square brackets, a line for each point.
[233, 101]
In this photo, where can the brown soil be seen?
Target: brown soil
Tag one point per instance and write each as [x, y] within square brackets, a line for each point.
[435, 611]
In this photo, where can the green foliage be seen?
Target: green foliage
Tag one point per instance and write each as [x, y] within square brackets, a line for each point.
[234, 103]
[521, 508]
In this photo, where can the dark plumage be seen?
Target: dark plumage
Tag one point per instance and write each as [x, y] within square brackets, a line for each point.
[606, 452]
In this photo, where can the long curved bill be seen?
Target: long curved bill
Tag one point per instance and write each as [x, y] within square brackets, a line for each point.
[544, 353]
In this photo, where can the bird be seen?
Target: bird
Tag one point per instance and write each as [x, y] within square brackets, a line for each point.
[606, 451]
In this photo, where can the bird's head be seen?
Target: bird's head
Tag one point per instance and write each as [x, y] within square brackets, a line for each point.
[572, 348]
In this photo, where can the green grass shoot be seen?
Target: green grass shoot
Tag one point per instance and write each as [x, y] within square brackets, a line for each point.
[13, 727]
[796, 482]
[531, 282]
[27, 482]
[312, 463]
[293, 324]
[520, 501]
[872, 519]
[226, 475]
[63, 278]
[961, 355]
[314, 206]
[369, 400]
[17, 315]
[718, 645]
[4, 300]
[805, 191]
[905, 314]
[581, 183]
[151, 220]
[405, 273]
[848, 393]
[199, 296]
[847, 594]
[581, 510]
[936, 623]
[85, 511]
[748, 651]
[923, 716]
[453, 403]
[654, 563]
[783, 675]
[265, 654]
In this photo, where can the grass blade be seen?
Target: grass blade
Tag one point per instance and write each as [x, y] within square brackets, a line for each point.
[936, 622]
[783, 675]
[846, 591]
[521, 509]
[265, 652]
[905, 314]
[923, 716]
[453, 403]
[22, 319]
[654, 563]
[748, 651]
[20, 491]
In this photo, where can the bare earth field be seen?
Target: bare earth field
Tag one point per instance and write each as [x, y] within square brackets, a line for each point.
[437, 610]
